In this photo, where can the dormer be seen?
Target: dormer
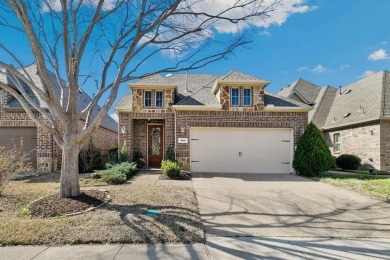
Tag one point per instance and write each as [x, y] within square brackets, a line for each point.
[152, 97]
[240, 92]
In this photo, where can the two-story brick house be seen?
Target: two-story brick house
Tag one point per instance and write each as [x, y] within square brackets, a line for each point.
[225, 123]
[354, 119]
[16, 126]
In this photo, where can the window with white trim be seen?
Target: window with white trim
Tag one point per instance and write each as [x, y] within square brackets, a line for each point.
[159, 99]
[336, 142]
[235, 97]
[147, 98]
[247, 97]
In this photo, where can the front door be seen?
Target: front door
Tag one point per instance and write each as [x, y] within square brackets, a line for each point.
[155, 145]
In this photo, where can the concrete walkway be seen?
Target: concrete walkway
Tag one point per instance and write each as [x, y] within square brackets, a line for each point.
[215, 248]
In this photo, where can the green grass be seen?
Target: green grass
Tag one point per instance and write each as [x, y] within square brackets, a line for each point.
[375, 186]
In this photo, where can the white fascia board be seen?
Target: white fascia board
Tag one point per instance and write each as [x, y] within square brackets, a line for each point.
[197, 108]
[287, 109]
[239, 82]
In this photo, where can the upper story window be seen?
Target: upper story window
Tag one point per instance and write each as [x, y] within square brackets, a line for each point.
[336, 142]
[247, 97]
[235, 97]
[147, 98]
[159, 99]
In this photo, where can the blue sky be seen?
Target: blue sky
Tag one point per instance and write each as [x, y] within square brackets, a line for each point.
[323, 41]
[329, 44]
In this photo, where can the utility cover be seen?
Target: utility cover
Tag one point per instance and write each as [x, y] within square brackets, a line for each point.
[152, 212]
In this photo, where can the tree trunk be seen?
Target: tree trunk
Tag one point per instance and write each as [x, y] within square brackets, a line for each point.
[69, 184]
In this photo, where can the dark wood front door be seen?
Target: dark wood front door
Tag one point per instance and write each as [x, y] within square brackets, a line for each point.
[155, 145]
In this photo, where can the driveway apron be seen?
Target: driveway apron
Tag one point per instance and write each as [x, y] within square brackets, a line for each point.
[284, 205]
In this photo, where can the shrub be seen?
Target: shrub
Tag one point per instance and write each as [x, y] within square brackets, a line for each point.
[112, 176]
[112, 156]
[90, 159]
[117, 173]
[348, 162]
[170, 154]
[170, 169]
[126, 168]
[124, 153]
[12, 162]
[312, 155]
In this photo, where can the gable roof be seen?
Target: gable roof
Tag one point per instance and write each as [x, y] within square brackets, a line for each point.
[196, 89]
[362, 101]
[83, 98]
[304, 89]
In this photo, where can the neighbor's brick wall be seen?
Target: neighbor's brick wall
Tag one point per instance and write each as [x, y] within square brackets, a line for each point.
[385, 146]
[246, 119]
[358, 141]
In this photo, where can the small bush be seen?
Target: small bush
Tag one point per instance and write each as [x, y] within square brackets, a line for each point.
[170, 169]
[170, 154]
[12, 162]
[348, 162]
[126, 168]
[117, 173]
[112, 176]
[124, 153]
[312, 155]
[90, 159]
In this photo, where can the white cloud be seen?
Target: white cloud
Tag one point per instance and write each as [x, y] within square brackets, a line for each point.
[379, 55]
[344, 66]
[367, 73]
[384, 42]
[55, 5]
[320, 68]
[115, 117]
[277, 15]
[303, 68]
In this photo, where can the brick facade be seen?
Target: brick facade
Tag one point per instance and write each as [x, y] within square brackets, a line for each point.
[363, 141]
[136, 123]
[48, 152]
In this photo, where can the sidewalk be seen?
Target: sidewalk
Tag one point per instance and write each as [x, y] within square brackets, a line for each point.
[215, 248]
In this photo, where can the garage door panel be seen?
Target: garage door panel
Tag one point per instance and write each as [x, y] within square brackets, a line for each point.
[253, 150]
[14, 136]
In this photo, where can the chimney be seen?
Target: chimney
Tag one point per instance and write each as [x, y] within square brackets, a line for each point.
[340, 90]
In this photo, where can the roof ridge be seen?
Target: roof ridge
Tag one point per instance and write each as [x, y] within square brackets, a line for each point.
[197, 90]
[228, 74]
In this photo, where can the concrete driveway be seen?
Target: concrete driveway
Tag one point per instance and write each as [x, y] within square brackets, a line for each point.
[234, 205]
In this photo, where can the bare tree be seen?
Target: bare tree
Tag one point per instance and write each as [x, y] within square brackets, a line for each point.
[65, 37]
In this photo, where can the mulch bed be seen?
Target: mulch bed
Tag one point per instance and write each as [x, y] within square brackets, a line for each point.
[180, 177]
[53, 205]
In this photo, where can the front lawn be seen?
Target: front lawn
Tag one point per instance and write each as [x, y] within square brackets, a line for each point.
[373, 185]
[123, 220]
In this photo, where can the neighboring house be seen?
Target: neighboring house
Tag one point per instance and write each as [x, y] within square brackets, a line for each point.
[16, 127]
[222, 123]
[354, 119]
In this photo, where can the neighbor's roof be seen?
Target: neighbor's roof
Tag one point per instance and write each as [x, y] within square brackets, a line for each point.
[365, 100]
[306, 91]
[199, 89]
[83, 98]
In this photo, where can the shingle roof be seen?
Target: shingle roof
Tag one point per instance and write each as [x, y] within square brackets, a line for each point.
[235, 75]
[278, 101]
[306, 90]
[323, 104]
[362, 100]
[83, 98]
[199, 89]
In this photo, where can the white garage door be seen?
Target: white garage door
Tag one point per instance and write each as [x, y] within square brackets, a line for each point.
[241, 150]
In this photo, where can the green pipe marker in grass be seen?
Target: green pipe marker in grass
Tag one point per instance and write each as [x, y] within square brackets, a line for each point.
[152, 212]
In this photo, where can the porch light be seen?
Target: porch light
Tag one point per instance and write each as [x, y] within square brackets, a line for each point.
[123, 130]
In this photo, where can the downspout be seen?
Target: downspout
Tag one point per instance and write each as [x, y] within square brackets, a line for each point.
[174, 112]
